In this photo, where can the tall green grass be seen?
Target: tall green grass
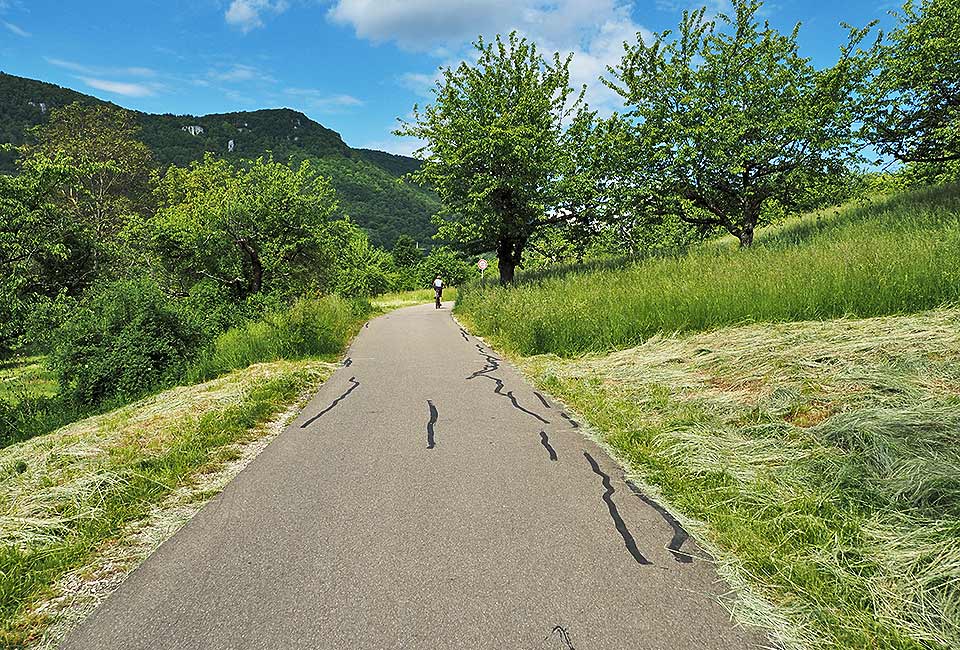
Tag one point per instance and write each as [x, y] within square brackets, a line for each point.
[310, 328]
[899, 255]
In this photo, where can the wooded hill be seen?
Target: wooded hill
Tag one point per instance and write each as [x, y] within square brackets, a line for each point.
[365, 180]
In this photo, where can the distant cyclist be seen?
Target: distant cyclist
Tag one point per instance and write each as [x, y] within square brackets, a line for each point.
[438, 289]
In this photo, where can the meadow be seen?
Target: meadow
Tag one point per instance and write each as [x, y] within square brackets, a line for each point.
[891, 256]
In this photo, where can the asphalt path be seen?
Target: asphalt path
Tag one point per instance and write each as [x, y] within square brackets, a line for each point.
[427, 497]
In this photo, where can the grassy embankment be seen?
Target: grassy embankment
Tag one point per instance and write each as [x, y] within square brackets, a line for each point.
[72, 495]
[816, 456]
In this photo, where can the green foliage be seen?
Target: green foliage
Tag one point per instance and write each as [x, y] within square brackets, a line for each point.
[309, 328]
[365, 180]
[108, 184]
[899, 256]
[496, 137]
[452, 267]
[260, 228]
[732, 124]
[917, 88]
[362, 270]
[31, 240]
[122, 341]
[405, 252]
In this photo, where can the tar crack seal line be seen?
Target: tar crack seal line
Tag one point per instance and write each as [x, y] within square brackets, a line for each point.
[564, 636]
[542, 400]
[463, 333]
[628, 540]
[355, 383]
[434, 416]
[347, 362]
[679, 534]
[569, 419]
[545, 441]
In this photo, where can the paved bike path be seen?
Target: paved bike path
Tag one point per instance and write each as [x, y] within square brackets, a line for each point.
[426, 498]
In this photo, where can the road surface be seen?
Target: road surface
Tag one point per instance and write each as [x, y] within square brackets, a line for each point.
[426, 498]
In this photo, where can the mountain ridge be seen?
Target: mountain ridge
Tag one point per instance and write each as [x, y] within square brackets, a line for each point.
[369, 183]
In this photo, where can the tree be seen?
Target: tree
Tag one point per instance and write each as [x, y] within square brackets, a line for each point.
[496, 137]
[31, 236]
[259, 228]
[110, 180]
[446, 263]
[917, 88]
[405, 252]
[732, 124]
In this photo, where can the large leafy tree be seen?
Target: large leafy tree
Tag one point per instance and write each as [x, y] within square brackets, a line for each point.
[732, 124]
[109, 183]
[31, 238]
[918, 85]
[263, 227]
[497, 137]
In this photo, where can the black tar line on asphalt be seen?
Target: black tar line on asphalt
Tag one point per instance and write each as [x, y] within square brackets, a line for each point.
[679, 534]
[545, 441]
[347, 362]
[434, 416]
[628, 539]
[355, 383]
[564, 637]
[569, 419]
[542, 400]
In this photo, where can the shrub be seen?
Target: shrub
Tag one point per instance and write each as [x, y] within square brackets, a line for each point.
[124, 340]
[310, 328]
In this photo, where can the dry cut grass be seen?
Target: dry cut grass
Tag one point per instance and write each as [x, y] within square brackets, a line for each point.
[821, 458]
[68, 495]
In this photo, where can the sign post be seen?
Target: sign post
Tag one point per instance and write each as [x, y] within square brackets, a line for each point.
[482, 265]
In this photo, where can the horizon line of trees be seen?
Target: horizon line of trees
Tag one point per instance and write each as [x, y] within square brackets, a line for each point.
[726, 128]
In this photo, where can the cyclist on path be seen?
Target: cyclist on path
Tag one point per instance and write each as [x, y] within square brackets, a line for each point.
[438, 289]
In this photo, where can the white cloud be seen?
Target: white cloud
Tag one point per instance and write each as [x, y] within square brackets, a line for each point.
[240, 72]
[16, 30]
[324, 102]
[399, 146]
[418, 82]
[593, 30]
[118, 87]
[99, 70]
[247, 14]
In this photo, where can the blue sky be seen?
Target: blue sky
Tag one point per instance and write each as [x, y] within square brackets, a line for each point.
[352, 65]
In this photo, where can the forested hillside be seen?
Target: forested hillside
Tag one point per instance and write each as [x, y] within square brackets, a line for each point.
[365, 180]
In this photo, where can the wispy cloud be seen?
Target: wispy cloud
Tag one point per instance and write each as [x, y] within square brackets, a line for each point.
[399, 146]
[418, 82]
[82, 68]
[239, 72]
[119, 87]
[324, 102]
[16, 30]
[247, 15]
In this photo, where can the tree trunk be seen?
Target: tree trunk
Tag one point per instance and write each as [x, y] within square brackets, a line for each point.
[505, 261]
[256, 267]
[746, 236]
[509, 254]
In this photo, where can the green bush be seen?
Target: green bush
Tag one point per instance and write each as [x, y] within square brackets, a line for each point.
[123, 340]
[310, 328]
